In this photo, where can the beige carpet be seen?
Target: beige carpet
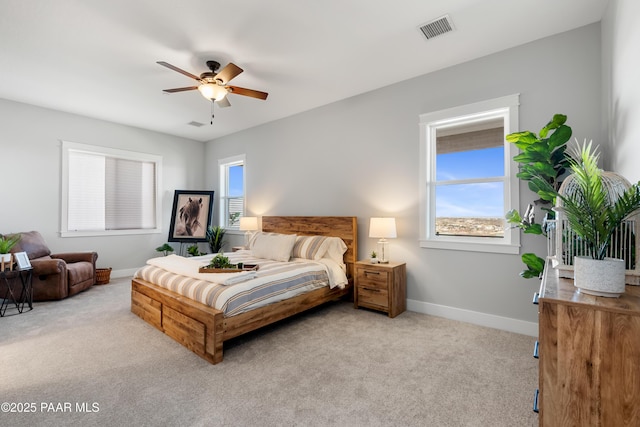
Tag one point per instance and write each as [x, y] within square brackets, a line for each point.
[88, 361]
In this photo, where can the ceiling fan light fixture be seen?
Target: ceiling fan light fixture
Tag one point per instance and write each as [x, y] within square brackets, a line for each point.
[212, 91]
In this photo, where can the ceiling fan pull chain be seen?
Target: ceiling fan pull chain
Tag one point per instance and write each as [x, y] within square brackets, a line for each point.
[212, 112]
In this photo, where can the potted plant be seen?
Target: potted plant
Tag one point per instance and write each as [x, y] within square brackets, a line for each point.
[541, 156]
[215, 238]
[165, 249]
[6, 244]
[374, 257]
[193, 250]
[594, 216]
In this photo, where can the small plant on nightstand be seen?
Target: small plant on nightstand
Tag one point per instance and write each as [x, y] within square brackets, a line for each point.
[374, 257]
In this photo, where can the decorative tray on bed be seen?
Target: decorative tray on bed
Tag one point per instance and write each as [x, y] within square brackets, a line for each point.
[245, 267]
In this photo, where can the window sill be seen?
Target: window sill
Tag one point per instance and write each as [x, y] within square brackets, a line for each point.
[470, 246]
[108, 233]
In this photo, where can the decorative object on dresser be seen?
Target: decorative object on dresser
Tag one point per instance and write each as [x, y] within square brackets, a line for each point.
[203, 329]
[592, 210]
[381, 287]
[588, 355]
[383, 228]
[373, 257]
[248, 224]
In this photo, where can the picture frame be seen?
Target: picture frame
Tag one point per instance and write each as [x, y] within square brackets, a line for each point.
[190, 216]
[22, 261]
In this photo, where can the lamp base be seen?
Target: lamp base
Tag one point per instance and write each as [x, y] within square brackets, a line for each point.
[383, 251]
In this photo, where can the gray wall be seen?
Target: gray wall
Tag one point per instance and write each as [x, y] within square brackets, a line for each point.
[621, 88]
[359, 157]
[31, 155]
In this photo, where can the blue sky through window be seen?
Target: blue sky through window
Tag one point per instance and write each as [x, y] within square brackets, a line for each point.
[236, 184]
[470, 200]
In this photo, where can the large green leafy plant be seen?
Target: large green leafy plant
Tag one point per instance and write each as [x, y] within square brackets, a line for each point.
[591, 213]
[542, 156]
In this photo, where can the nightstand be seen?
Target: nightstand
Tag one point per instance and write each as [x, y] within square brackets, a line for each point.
[381, 287]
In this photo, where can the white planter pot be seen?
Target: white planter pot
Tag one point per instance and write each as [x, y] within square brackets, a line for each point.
[604, 278]
[5, 257]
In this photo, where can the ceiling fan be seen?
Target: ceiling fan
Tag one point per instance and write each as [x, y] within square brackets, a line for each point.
[213, 84]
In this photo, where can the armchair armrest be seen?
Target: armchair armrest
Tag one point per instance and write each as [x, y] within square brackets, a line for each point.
[71, 257]
[45, 267]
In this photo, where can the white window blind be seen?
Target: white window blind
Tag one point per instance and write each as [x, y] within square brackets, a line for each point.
[109, 191]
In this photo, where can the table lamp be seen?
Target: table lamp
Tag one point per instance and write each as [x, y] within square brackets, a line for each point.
[248, 224]
[383, 228]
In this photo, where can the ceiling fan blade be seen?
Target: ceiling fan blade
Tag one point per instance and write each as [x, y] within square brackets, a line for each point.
[224, 102]
[247, 92]
[181, 71]
[180, 89]
[228, 73]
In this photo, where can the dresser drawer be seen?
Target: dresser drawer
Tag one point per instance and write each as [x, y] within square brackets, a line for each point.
[373, 278]
[377, 298]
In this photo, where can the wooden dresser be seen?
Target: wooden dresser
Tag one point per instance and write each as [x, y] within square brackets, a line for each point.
[589, 356]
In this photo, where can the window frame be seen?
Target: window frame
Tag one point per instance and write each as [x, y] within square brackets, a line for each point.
[223, 189]
[67, 147]
[507, 107]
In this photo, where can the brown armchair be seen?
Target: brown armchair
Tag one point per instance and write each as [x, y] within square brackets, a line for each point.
[56, 276]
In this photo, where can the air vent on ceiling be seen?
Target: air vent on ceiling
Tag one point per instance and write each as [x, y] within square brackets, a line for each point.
[437, 27]
[196, 124]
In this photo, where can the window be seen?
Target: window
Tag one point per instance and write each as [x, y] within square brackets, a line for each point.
[468, 178]
[231, 191]
[108, 191]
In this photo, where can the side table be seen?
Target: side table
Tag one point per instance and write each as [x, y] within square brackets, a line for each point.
[12, 296]
[381, 287]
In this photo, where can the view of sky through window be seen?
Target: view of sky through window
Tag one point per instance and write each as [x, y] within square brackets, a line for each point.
[472, 199]
[236, 184]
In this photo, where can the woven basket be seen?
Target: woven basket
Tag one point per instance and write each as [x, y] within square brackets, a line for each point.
[103, 275]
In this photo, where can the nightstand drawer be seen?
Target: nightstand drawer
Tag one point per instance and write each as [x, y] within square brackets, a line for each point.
[373, 278]
[373, 296]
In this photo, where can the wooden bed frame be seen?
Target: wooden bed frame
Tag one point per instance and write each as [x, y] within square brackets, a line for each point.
[203, 329]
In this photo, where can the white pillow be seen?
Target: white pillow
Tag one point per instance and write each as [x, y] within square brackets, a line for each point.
[274, 246]
[334, 249]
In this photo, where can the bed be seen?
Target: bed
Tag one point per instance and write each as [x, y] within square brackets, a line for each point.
[203, 329]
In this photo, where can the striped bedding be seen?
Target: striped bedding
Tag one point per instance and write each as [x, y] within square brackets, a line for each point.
[274, 280]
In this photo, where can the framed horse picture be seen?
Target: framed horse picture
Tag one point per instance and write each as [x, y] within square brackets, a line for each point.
[191, 216]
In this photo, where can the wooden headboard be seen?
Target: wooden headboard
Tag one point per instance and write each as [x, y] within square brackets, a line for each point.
[345, 227]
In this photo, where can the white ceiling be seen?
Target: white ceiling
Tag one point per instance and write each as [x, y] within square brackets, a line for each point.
[98, 58]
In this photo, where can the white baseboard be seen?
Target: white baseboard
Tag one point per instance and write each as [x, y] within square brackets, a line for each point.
[475, 317]
[124, 273]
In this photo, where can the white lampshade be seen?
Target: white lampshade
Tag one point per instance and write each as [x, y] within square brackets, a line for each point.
[212, 91]
[383, 228]
[248, 223]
